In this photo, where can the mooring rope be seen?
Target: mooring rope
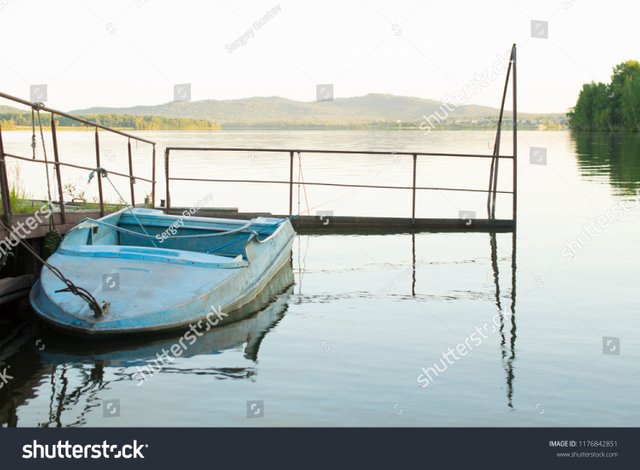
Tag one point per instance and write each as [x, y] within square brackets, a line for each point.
[84, 294]
[33, 133]
[105, 174]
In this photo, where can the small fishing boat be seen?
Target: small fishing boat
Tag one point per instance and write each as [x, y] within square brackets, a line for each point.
[140, 270]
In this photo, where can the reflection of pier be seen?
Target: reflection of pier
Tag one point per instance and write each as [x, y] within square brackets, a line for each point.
[507, 328]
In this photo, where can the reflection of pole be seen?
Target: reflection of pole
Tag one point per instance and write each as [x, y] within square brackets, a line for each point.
[496, 272]
[62, 396]
[507, 360]
[513, 294]
[413, 254]
[91, 385]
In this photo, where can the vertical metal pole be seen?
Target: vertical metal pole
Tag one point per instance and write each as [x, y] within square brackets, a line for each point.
[493, 176]
[515, 137]
[291, 183]
[100, 195]
[132, 181]
[166, 171]
[153, 177]
[4, 185]
[413, 206]
[56, 157]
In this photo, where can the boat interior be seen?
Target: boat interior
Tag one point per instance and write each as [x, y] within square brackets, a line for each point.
[148, 231]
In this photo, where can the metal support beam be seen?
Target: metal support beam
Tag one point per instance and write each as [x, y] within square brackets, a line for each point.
[4, 185]
[99, 175]
[132, 180]
[56, 157]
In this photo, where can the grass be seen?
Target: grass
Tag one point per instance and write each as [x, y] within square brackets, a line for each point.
[21, 201]
[18, 195]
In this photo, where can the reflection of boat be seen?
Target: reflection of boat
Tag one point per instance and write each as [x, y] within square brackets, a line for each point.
[246, 326]
[39, 356]
[149, 278]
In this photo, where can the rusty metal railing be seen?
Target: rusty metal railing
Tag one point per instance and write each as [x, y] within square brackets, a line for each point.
[291, 182]
[58, 164]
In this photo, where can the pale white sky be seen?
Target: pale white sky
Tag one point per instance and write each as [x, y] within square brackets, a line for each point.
[129, 52]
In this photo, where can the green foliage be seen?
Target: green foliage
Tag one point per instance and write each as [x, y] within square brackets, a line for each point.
[18, 196]
[610, 155]
[11, 120]
[613, 106]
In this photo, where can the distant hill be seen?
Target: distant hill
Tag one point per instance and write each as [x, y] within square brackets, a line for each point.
[362, 111]
[12, 119]
[11, 109]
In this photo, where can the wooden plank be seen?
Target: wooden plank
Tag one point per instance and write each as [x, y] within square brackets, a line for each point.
[12, 288]
[349, 224]
[71, 218]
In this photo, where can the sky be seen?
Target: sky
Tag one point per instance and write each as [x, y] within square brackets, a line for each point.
[134, 52]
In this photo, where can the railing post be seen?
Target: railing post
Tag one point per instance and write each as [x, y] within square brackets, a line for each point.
[4, 185]
[56, 158]
[515, 137]
[413, 205]
[132, 180]
[99, 175]
[153, 177]
[291, 182]
[166, 170]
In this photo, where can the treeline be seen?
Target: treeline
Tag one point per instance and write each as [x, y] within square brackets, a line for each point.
[118, 121]
[611, 106]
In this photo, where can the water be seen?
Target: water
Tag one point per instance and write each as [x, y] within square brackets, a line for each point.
[346, 344]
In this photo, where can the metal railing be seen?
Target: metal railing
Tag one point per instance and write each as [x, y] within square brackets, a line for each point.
[291, 182]
[58, 164]
[491, 191]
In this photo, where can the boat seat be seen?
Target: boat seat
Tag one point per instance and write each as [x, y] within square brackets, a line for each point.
[161, 255]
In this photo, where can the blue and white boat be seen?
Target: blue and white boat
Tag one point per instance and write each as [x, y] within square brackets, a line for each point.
[149, 271]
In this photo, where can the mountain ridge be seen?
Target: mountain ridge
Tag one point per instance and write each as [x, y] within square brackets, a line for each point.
[272, 110]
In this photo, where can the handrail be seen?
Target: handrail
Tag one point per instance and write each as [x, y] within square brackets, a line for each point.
[72, 165]
[339, 185]
[355, 152]
[291, 182]
[42, 107]
[4, 183]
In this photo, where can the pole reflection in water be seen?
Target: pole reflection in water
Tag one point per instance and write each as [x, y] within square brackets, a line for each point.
[507, 348]
[506, 331]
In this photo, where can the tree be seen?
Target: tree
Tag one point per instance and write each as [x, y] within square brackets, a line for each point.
[614, 106]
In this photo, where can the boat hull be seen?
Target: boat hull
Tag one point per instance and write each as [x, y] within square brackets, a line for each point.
[154, 296]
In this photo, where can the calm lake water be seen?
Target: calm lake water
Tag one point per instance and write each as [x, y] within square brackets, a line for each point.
[549, 319]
